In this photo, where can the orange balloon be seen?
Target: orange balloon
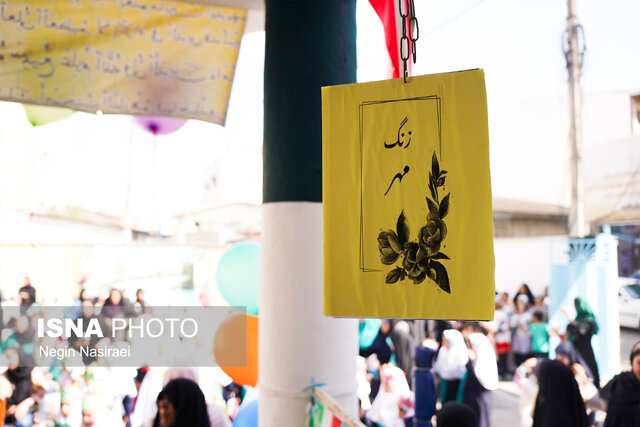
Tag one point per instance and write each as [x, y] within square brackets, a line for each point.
[238, 358]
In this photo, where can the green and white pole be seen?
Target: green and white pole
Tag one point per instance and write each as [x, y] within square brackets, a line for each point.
[309, 44]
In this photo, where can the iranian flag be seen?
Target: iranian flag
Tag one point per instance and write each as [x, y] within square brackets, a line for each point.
[321, 416]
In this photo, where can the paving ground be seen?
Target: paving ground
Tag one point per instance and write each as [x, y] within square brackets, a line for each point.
[505, 408]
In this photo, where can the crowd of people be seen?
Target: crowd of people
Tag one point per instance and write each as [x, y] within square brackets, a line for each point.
[91, 392]
[409, 373]
[401, 384]
[459, 364]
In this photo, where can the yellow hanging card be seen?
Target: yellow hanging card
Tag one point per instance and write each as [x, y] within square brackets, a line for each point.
[408, 229]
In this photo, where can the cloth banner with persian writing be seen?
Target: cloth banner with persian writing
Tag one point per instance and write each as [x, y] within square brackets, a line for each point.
[408, 229]
[141, 57]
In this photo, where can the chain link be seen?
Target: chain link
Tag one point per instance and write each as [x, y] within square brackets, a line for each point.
[410, 31]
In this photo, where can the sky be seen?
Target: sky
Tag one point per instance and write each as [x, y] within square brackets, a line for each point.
[85, 160]
[518, 43]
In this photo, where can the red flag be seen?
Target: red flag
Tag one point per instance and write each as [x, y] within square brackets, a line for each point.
[386, 10]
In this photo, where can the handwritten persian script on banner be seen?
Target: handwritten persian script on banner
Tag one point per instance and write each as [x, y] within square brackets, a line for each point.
[407, 216]
[120, 56]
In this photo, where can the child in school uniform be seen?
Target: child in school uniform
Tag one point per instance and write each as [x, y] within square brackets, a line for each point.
[539, 335]
[424, 383]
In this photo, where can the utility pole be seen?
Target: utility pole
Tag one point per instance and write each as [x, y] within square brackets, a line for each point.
[574, 47]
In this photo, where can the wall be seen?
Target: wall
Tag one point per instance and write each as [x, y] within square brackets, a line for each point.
[506, 226]
[522, 259]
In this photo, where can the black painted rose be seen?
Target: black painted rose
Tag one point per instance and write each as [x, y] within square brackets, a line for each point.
[389, 246]
[432, 234]
[415, 262]
[419, 259]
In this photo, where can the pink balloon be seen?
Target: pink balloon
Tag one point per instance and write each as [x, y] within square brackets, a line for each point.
[160, 125]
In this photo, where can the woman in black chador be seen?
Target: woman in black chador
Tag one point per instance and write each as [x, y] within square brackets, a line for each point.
[559, 403]
[621, 396]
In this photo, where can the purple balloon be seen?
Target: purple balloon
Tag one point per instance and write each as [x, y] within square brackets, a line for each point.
[160, 125]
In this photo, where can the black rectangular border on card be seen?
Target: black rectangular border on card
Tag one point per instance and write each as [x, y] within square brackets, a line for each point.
[436, 98]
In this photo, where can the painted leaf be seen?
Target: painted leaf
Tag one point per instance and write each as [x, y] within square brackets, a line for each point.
[442, 277]
[444, 206]
[441, 181]
[435, 168]
[402, 228]
[433, 207]
[440, 255]
[432, 189]
[394, 275]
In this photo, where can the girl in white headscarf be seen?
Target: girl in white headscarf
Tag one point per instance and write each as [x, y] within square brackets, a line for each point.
[482, 378]
[451, 363]
[385, 409]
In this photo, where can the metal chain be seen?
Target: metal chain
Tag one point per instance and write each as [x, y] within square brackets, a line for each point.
[414, 30]
[408, 16]
[404, 41]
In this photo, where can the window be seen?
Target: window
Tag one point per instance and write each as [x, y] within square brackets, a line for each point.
[633, 290]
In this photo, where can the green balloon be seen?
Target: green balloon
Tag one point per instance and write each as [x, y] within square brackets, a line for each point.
[238, 275]
[39, 115]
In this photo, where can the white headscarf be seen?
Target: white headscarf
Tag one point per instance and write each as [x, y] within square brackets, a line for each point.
[187, 372]
[486, 368]
[384, 409]
[451, 362]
